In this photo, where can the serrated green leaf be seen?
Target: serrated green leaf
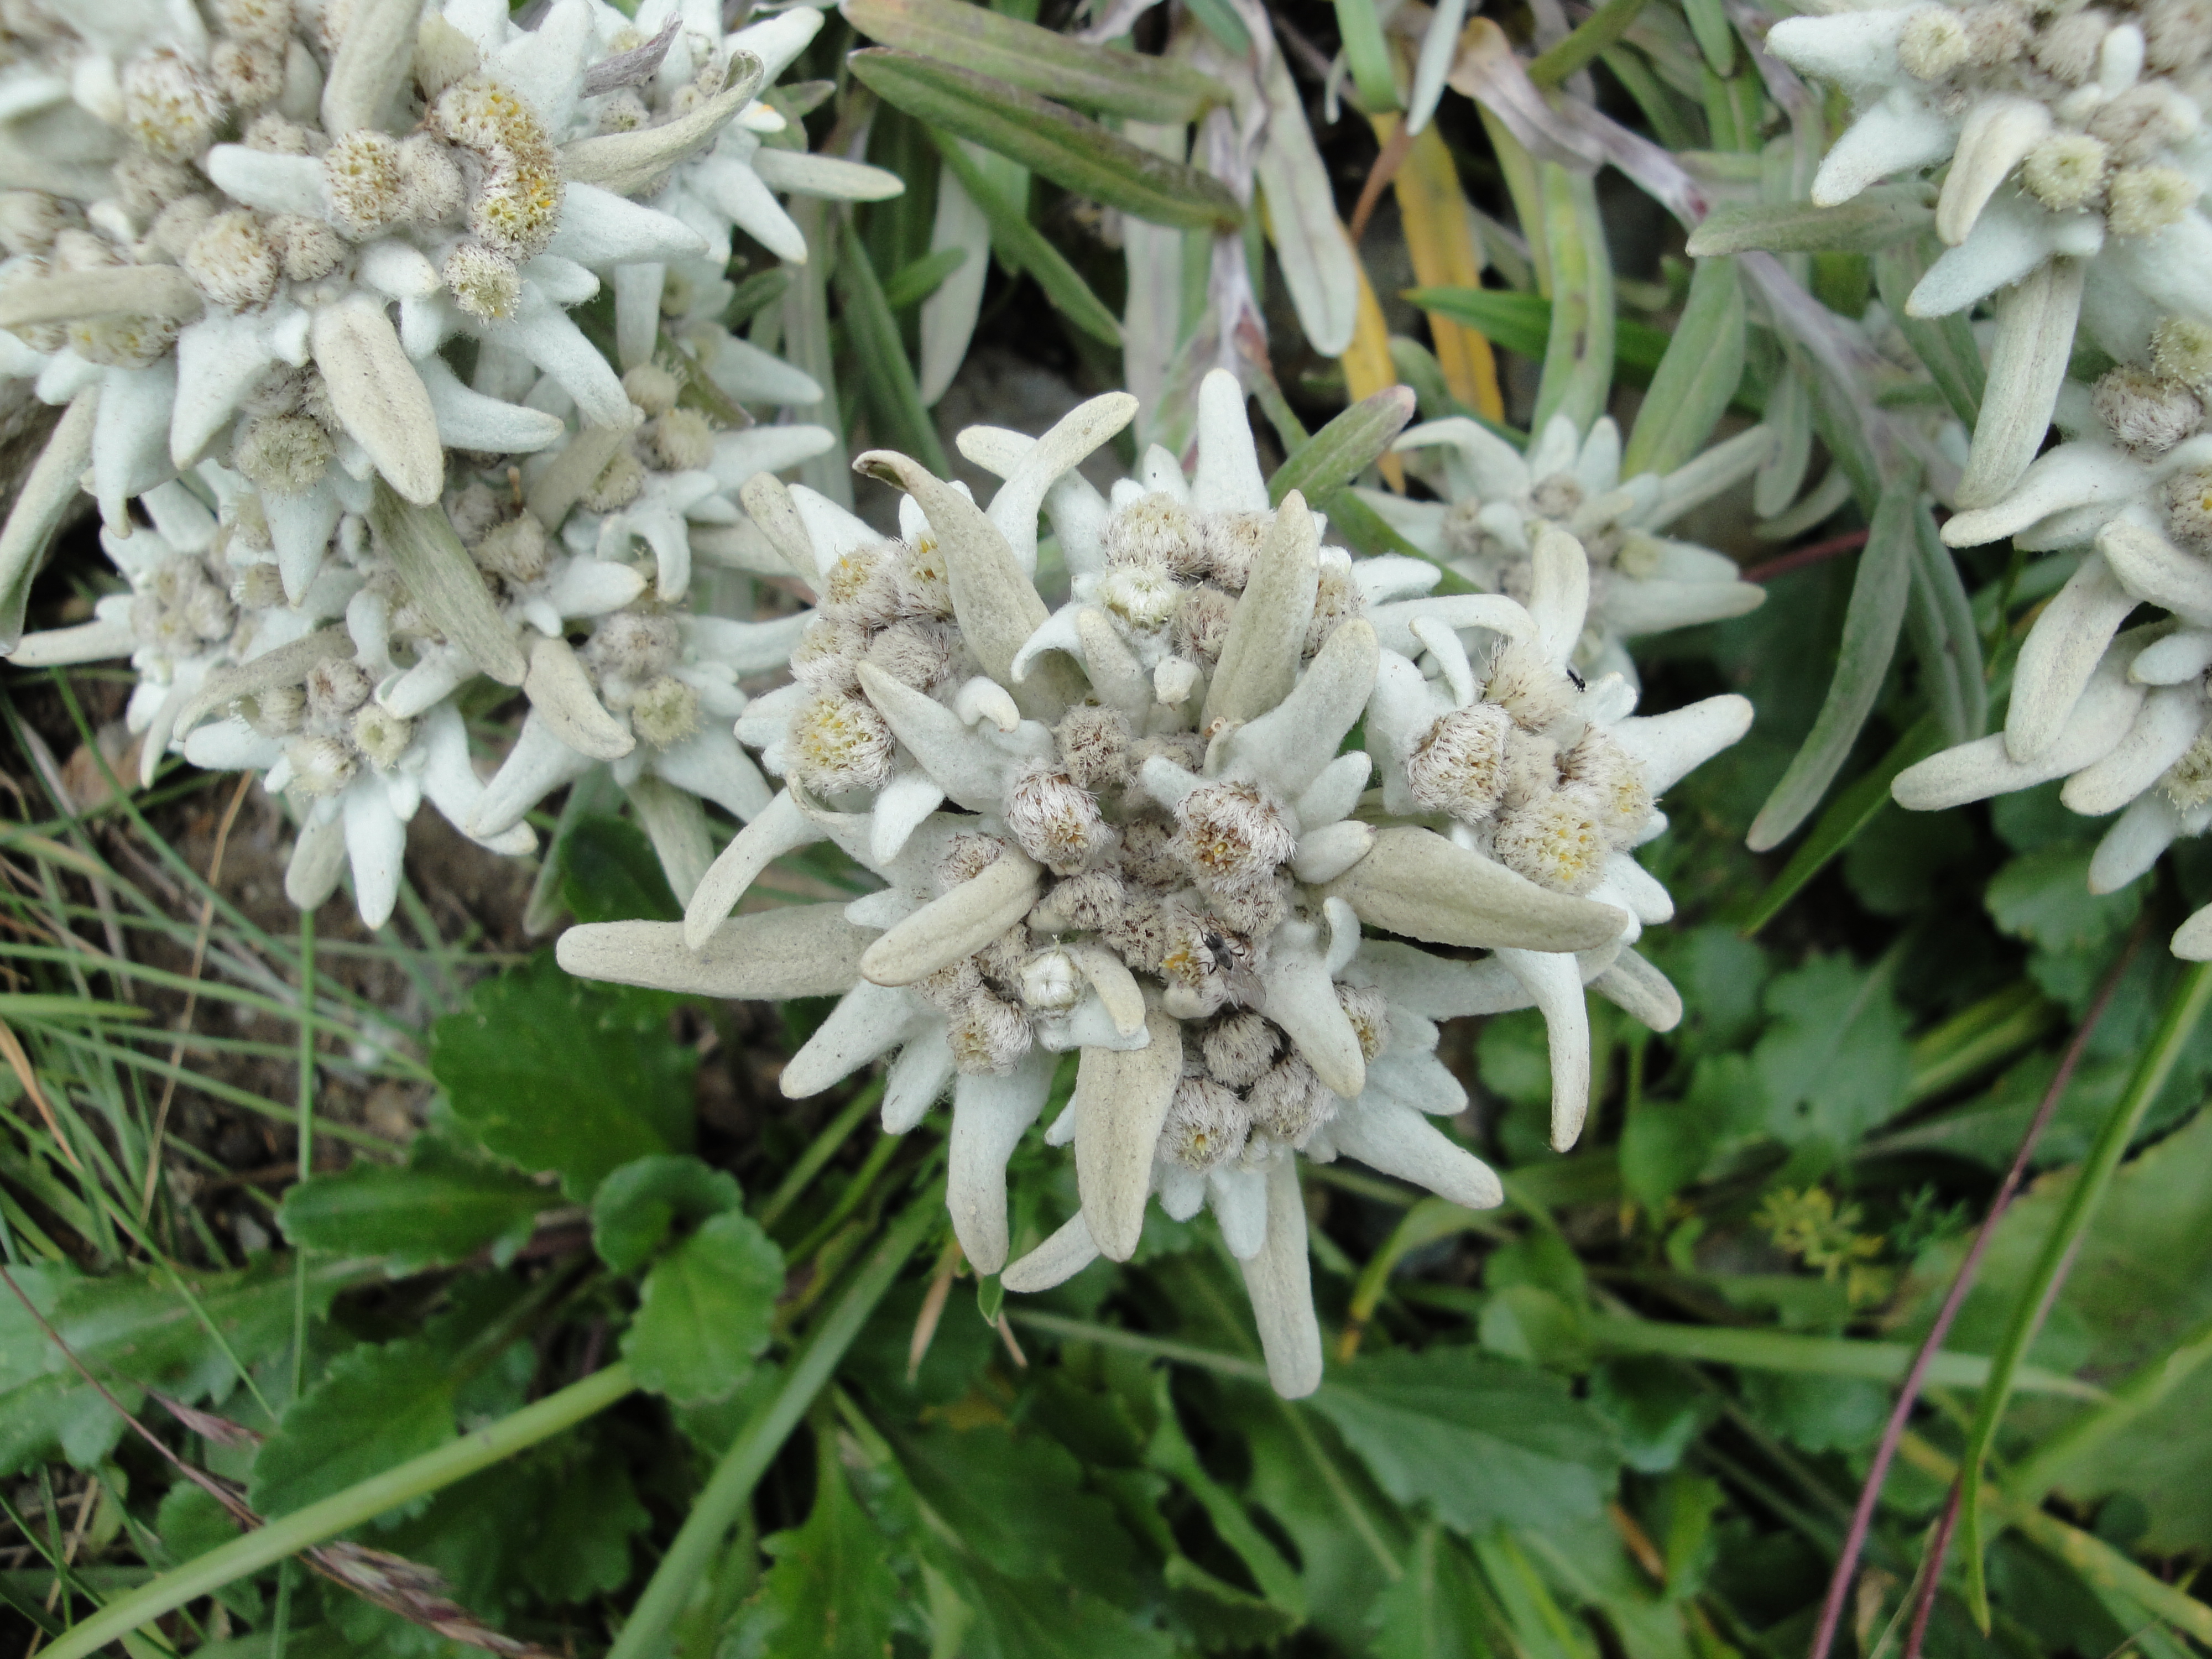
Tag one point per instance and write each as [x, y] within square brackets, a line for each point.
[1697, 379]
[1834, 1062]
[609, 873]
[552, 1073]
[441, 1207]
[1217, 1613]
[706, 1310]
[1102, 80]
[1037, 1619]
[1438, 1610]
[635, 1206]
[190, 1523]
[831, 1593]
[1478, 1440]
[587, 1510]
[1346, 447]
[2043, 897]
[1024, 245]
[1871, 221]
[373, 1409]
[1072, 150]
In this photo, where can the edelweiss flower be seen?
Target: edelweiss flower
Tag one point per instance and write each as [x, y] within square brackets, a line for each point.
[1153, 860]
[2076, 141]
[1498, 502]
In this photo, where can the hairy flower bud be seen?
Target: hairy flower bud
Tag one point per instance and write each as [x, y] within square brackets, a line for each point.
[680, 440]
[2066, 171]
[1239, 1048]
[1230, 833]
[361, 178]
[1457, 766]
[381, 735]
[169, 106]
[231, 262]
[285, 454]
[651, 388]
[2148, 413]
[1156, 530]
[988, 1037]
[839, 743]
[487, 286]
[1094, 746]
[1555, 841]
[2146, 200]
[665, 712]
[514, 550]
[322, 766]
[1288, 1103]
[1055, 822]
[1206, 1126]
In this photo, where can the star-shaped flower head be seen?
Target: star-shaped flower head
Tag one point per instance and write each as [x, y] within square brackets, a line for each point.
[1497, 500]
[2076, 151]
[1124, 828]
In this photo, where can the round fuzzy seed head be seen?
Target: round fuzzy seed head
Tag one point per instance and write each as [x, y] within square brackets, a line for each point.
[268, 22]
[122, 342]
[1336, 601]
[517, 206]
[1201, 624]
[179, 224]
[1556, 497]
[2066, 171]
[1555, 841]
[2182, 350]
[680, 440]
[840, 743]
[1288, 1102]
[1457, 766]
[1239, 1048]
[1521, 682]
[1206, 1126]
[2189, 509]
[1087, 904]
[1254, 909]
[635, 645]
[277, 712]
[965, 858]
[1600, 764]
[1056, 822]
[146, 184]
[2147, 413]
[1155, 529]
[1050, 982]
[361, 174]
[381, 735]
[2146, 200]
[2065, 47]
[988, 1037]
[232, 263]
[665, 712]
[1094, 746]
[514, 551]
[921, 654]
[2188, 781]
[30, 219]
[924, 580]
[948, 988]
[1995, 33]
[651, 388]
[1142, 597]
[1148, 855]
[246, 74]
[322, 766]
[1230, 834]
[1934, 43]
[273, 135]
[1140, 934]
[2177, 34]
[169, 106]
[309, 248]
[1186, 959]
[335, 690]
[1369, 1013]
[431, 178]
[285, 454]
[474, 510]
[484, 284]
[2138, 124]
[829, 656]
[617, 486]
[863, 587]
[257, 586]
[623, 111]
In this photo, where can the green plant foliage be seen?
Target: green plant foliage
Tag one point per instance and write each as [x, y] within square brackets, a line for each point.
[440, 1207]
[704, 1310]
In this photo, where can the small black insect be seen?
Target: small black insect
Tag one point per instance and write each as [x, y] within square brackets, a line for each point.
[1577, 679]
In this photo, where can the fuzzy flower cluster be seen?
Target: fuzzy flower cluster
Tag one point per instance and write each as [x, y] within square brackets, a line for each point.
[1131, 828]
[1495, 501]
[2124, 717]
[2077, 160]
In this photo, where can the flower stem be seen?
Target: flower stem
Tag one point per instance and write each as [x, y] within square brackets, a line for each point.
[290, 1534]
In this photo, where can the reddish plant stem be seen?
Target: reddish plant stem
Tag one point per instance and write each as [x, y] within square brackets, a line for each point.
[1847, 1561]
[1395, 151]
[1938, 1547]
[1798, 558]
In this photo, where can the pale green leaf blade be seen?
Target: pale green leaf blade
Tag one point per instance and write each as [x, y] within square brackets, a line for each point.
[705, 1311]
[1870, 221]
[441, 1207]
[1697, 379]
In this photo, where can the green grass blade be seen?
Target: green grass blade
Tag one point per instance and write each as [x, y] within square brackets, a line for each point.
[886, 377]
[1839, 826]
[1024, 244]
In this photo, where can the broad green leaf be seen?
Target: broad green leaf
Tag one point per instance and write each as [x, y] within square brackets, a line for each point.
[831, 1593]
[1039, 1619]
[886, 376]
[2043, 897]
[1218, 1614]
[1878, 593]
[1103, 80]
[609, 873]
[1438, 1610]
[1024, 245]
[1816, 1414]
[441, 1207]
[1655, 1407]
[552, 1073]
[1346, 447]
[705, 1311]
[374, 1408]
[1072, 150]
[134, 1329]
[1871, 221]
[1697, 379]
[1834, 1062]
[1478, 1440]
[587, 1510]
[635, 1206]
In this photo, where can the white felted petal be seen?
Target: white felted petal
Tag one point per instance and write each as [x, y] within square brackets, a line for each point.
[2165, 727]
[398, 270]
[1632, 984]
[1069, 441]
[733, 188]
[1631, 885]
[2152, 568]
[376, 843]
[300, 526]
[593, 587]
[832, 530]
[1121, 1100]
[1634, 607]
[1325, 854]
[541, 331]
[226, 745]
[1416, 883]
[1280, 1284]
[93, 642]
[989, 1114]
[1669, 746]
[710, 765]
[2013, 237]
[1391, 1137]
[2073, 474]
[220, 359]
[539, 764]
[1117, 991]
[2192, 940]
[829, 177]
[379, 396]
[131, 437]
[794, 950]
[1393, 623]
[1898, 133]
[2035, 324]
[1394, 576]
[600, 230]
[318, 861]
[1259, 663]
[1060, 631]
[1228, 476]
[1239, 1199]
[1998, 132]
[1417, 1079]
[2173, 659]
[961, 761]
[1558, 596]
[1335, 791]
[904, 802]
[959, 924]
[2061, 652]
[739, 455]
[1556, 983]
[1301, 999]
[916, 1080]
[2132, 845]
[1435, 987]
[1857, 48]
[868, 1021]
[1058, 1260]
[747, 374]
[274, 184]
[1288, 746]
[469, 420]
[1975, 771]
[1491, 468]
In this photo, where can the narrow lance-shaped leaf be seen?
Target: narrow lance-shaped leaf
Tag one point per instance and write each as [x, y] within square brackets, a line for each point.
[1697, 379]
[1023, 244]
[1360, 27]
[1578, 356]
[1870, 626]
[1072, 150]
[1871, 221]
[1854, 808]
[443, 580]
[1103, 80]
[1346, 447]
[1944, 345]
[1944, 637]
[1522, 323]
[886, 377]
